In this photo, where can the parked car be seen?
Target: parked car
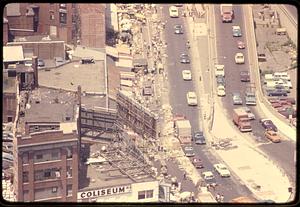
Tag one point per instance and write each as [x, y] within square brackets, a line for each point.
[220, 80]
[236, 31]
[241, 44]
[184, 58]
[178, 29]
[41, 63]
[221, 90]
[187, 75]
[189, 151]
[28, 62]
[250, 98]
[191, 98]
[245, 76]
[236, 98]
[222, 170]
[276, 92]
[197, 163]
[273, 136]
[199, 138]
[239, 58]
[251, 116]
[268, 124]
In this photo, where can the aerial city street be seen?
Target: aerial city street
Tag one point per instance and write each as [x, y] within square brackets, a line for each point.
[164, 103]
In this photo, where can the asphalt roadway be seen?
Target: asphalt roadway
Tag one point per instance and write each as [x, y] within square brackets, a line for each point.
[229, 187]
[281, 153]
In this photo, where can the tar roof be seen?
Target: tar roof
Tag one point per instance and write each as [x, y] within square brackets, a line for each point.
[91, 77]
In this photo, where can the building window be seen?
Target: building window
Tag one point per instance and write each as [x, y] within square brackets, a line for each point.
[47, 173]
[9, 119]
[38, 175]
[69, 190]
[54, 190]
[54, 155]
[145, 194]
[62, 5]
[25, 158]
[51, 15]
[69, 171]
[39, 156]
[25, 177]
[69, 152]
[62, 18]
[26, 195]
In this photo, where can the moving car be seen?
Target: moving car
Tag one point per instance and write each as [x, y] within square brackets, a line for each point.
[189, 151]
[241, 45]
[197, 163]
[187, 75]
[184, 58]
[239, 58]
[178, 29]
[250, 98]
[236, 31]
[221, 90]
[209, 177]
[245, 76]
[236, 98]
[268, 124]
[173, 11]
[273, 136]
[199, 138]
[220, 80]
[222, 170]
[219, 70]
[191, 98]
[251, 116]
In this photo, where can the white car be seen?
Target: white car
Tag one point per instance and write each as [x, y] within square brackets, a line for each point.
[191, 98]
[219, 70]
[208, 175]
[222, 170]
[221, 90]
[239, 58]
[28, 62]
[251, 116]
[187, 75]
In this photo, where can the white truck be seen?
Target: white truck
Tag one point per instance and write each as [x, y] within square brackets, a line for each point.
[183, 131]
[226, 12]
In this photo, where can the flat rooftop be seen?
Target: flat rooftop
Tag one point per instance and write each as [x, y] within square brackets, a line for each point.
[118, 165]
[9, 84]
[90, 76]
[48, 105]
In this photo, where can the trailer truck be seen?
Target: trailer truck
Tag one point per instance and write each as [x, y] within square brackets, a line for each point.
[226, 12]
[241, 119]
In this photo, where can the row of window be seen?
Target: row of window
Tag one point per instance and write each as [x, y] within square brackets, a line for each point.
[47, 155]
[50, 192]
[145, 194]
[62, 16]
[50, 173]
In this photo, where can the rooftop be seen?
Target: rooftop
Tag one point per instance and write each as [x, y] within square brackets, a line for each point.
[12, 53]
[48, 105]
[90, 76]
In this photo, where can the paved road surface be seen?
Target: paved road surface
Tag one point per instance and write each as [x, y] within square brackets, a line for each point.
[282, 153]
[231, 187]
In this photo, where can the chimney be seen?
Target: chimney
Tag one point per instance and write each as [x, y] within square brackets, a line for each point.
[79, 95]
[35, 71]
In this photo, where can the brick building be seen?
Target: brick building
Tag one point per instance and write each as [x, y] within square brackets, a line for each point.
[27, 19]
[92, 25]
[46, 146]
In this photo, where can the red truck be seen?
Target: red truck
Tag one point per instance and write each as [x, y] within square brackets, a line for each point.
[226, 12]
[241, 119]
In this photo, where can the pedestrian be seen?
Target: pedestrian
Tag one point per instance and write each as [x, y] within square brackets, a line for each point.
[184, 175]
[218, 198]
[207, 186]
[222, 198]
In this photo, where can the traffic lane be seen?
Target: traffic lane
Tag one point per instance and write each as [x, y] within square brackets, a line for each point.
[229, 187]
[281, 154]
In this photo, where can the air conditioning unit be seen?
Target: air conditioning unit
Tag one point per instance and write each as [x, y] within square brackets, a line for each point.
[57, 174]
